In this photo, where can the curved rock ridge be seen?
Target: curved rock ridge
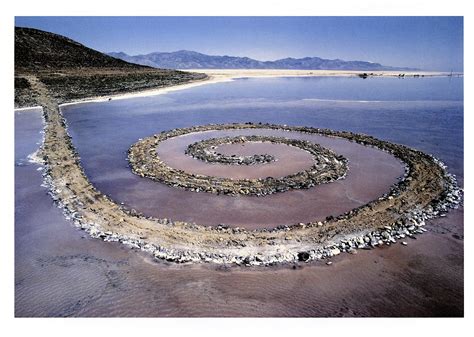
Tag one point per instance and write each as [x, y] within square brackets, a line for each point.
[144, 160]
[205, 150]
[426, 191]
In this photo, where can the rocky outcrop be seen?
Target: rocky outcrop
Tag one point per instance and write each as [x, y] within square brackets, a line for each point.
[72, 71]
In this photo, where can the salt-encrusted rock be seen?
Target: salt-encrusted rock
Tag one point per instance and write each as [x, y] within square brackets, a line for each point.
[335, 251]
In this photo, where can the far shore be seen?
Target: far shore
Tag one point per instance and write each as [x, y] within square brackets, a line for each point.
[235, 73]
[226, 75]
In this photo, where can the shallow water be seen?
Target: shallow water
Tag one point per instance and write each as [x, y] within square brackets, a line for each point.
[60, 271]
[430, 123]
[371, 173]
[103, 133]
[288, 159]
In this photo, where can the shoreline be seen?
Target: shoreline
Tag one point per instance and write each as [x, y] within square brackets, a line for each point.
[316, 73]
[228, 75]
[28, 108]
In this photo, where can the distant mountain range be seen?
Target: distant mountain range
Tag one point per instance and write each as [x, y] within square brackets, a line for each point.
[185, 59]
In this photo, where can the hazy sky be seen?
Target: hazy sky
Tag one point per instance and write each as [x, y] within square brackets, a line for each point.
[429, 43]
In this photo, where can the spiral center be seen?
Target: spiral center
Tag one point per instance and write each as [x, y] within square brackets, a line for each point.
[206, 150]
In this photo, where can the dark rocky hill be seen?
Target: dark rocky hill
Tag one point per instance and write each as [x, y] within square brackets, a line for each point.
[38, 50]
[73, 71]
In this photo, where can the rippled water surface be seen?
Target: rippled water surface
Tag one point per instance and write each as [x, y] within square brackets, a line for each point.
[93, 278]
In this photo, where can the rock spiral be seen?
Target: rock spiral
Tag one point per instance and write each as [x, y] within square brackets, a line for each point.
[144, 160]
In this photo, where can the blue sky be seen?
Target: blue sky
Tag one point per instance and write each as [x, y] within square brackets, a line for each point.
[428, 43]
